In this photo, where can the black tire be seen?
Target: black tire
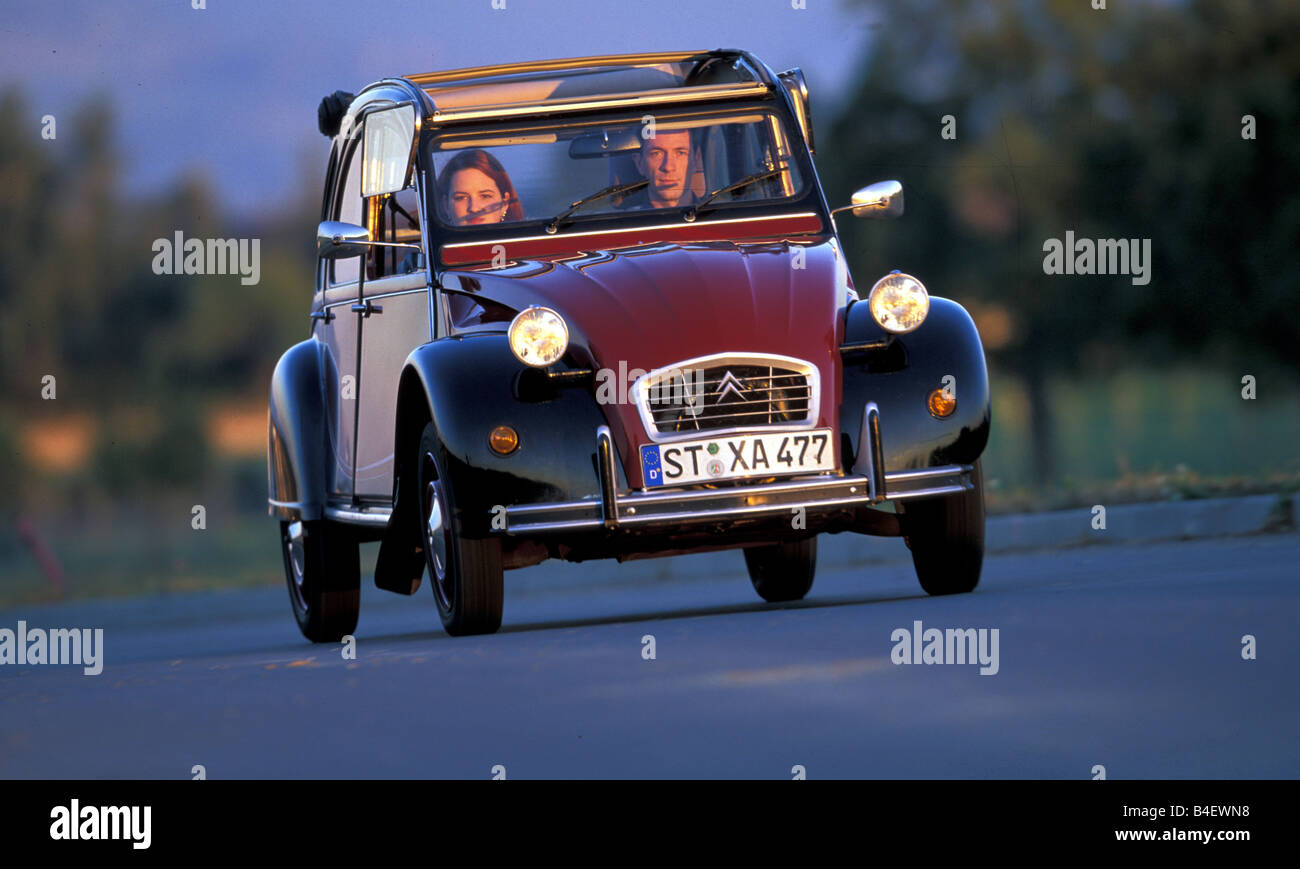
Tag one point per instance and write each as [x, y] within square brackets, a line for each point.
[782, 571]
[466, 575]
[323, 571]
[946, 536]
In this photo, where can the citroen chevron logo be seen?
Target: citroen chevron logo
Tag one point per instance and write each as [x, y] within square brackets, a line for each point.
[729, 384]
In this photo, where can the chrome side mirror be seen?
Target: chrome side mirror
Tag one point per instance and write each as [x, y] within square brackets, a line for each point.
[337, 240]
[880, 200]
[388, 151]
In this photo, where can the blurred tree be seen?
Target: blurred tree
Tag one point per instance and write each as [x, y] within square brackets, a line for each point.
[145, 355]
[27, 181]
[1116, 123]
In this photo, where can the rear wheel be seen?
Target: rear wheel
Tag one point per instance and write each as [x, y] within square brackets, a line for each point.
[782, 571]
[466, 575]
[322, 565]
[946, 536]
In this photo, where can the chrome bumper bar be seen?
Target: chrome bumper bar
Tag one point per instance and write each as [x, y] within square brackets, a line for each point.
[640, 509]
[869, 484]
[374, 517]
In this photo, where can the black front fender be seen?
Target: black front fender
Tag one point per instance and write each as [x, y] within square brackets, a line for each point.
[298, 437]
[900, 377]
[471, 384]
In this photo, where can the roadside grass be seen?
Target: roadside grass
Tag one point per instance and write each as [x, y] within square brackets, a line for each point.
[143, 555]
[1148, 436]
[1180, 485]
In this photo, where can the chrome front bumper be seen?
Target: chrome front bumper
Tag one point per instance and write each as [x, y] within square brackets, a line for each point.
[868, 484]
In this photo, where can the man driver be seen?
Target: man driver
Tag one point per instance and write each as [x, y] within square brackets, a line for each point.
[664, 159]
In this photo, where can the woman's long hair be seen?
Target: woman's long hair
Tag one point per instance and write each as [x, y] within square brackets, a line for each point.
[477, 158]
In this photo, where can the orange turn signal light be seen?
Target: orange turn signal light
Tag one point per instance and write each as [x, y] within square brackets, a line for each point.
[504, 440]
[941, 405]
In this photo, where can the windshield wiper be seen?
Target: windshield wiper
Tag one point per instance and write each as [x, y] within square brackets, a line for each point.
[612, 190]
[781, 166]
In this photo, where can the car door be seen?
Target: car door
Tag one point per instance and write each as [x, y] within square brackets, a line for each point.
[396, 284]
[336, 326]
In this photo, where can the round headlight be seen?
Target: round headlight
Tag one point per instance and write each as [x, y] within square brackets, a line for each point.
[899, 302]
[538, 336]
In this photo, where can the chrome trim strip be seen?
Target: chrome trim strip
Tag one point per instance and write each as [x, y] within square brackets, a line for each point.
[932, 491]
[407, 292]
[293, 509]
[638, 508]
[491, 241]
[376, 517]
[592, 505]
[421, 183]
[562, 525]
[569, 64]
[733, 90]
[605, 470]
[809, 371]
[924, 473]
[739, 512]
[870, 459]
[805, 484]
[877, 454]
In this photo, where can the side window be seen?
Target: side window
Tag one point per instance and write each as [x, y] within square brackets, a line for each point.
[348, 210]
[398, 222]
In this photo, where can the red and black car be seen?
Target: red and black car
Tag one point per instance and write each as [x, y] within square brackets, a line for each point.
[597, 308]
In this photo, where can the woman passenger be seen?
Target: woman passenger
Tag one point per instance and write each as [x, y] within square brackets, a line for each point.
[478, 190]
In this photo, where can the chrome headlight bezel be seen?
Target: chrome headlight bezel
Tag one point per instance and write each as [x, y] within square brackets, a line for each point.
[889, 287]
[531, 347]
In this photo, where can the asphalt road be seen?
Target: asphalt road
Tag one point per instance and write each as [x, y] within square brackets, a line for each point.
[1124, 656]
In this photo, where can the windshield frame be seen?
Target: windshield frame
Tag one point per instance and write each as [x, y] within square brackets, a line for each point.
[584, 223]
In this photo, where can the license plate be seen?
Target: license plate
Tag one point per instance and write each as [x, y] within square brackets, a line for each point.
[737, 457]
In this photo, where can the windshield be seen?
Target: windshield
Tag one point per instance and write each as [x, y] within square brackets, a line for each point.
[644, 163]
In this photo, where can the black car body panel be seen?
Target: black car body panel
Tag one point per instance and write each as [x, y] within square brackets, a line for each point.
[904, 369]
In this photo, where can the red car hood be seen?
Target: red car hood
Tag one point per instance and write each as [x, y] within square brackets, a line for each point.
[652, 306]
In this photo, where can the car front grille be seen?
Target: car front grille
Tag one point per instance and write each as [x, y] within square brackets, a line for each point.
[739, 392]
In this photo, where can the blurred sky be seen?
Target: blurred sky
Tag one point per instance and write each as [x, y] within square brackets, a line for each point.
[231, 90]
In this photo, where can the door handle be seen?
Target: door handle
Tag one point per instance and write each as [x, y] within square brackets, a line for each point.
[367, 308]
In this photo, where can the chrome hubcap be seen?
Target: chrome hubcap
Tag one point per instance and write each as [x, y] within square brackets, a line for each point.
[297, 561]
[435, 534]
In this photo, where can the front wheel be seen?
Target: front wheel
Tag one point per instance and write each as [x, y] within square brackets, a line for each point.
[322, 564]
[946, 536]
[782, 571]
[467, 575]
